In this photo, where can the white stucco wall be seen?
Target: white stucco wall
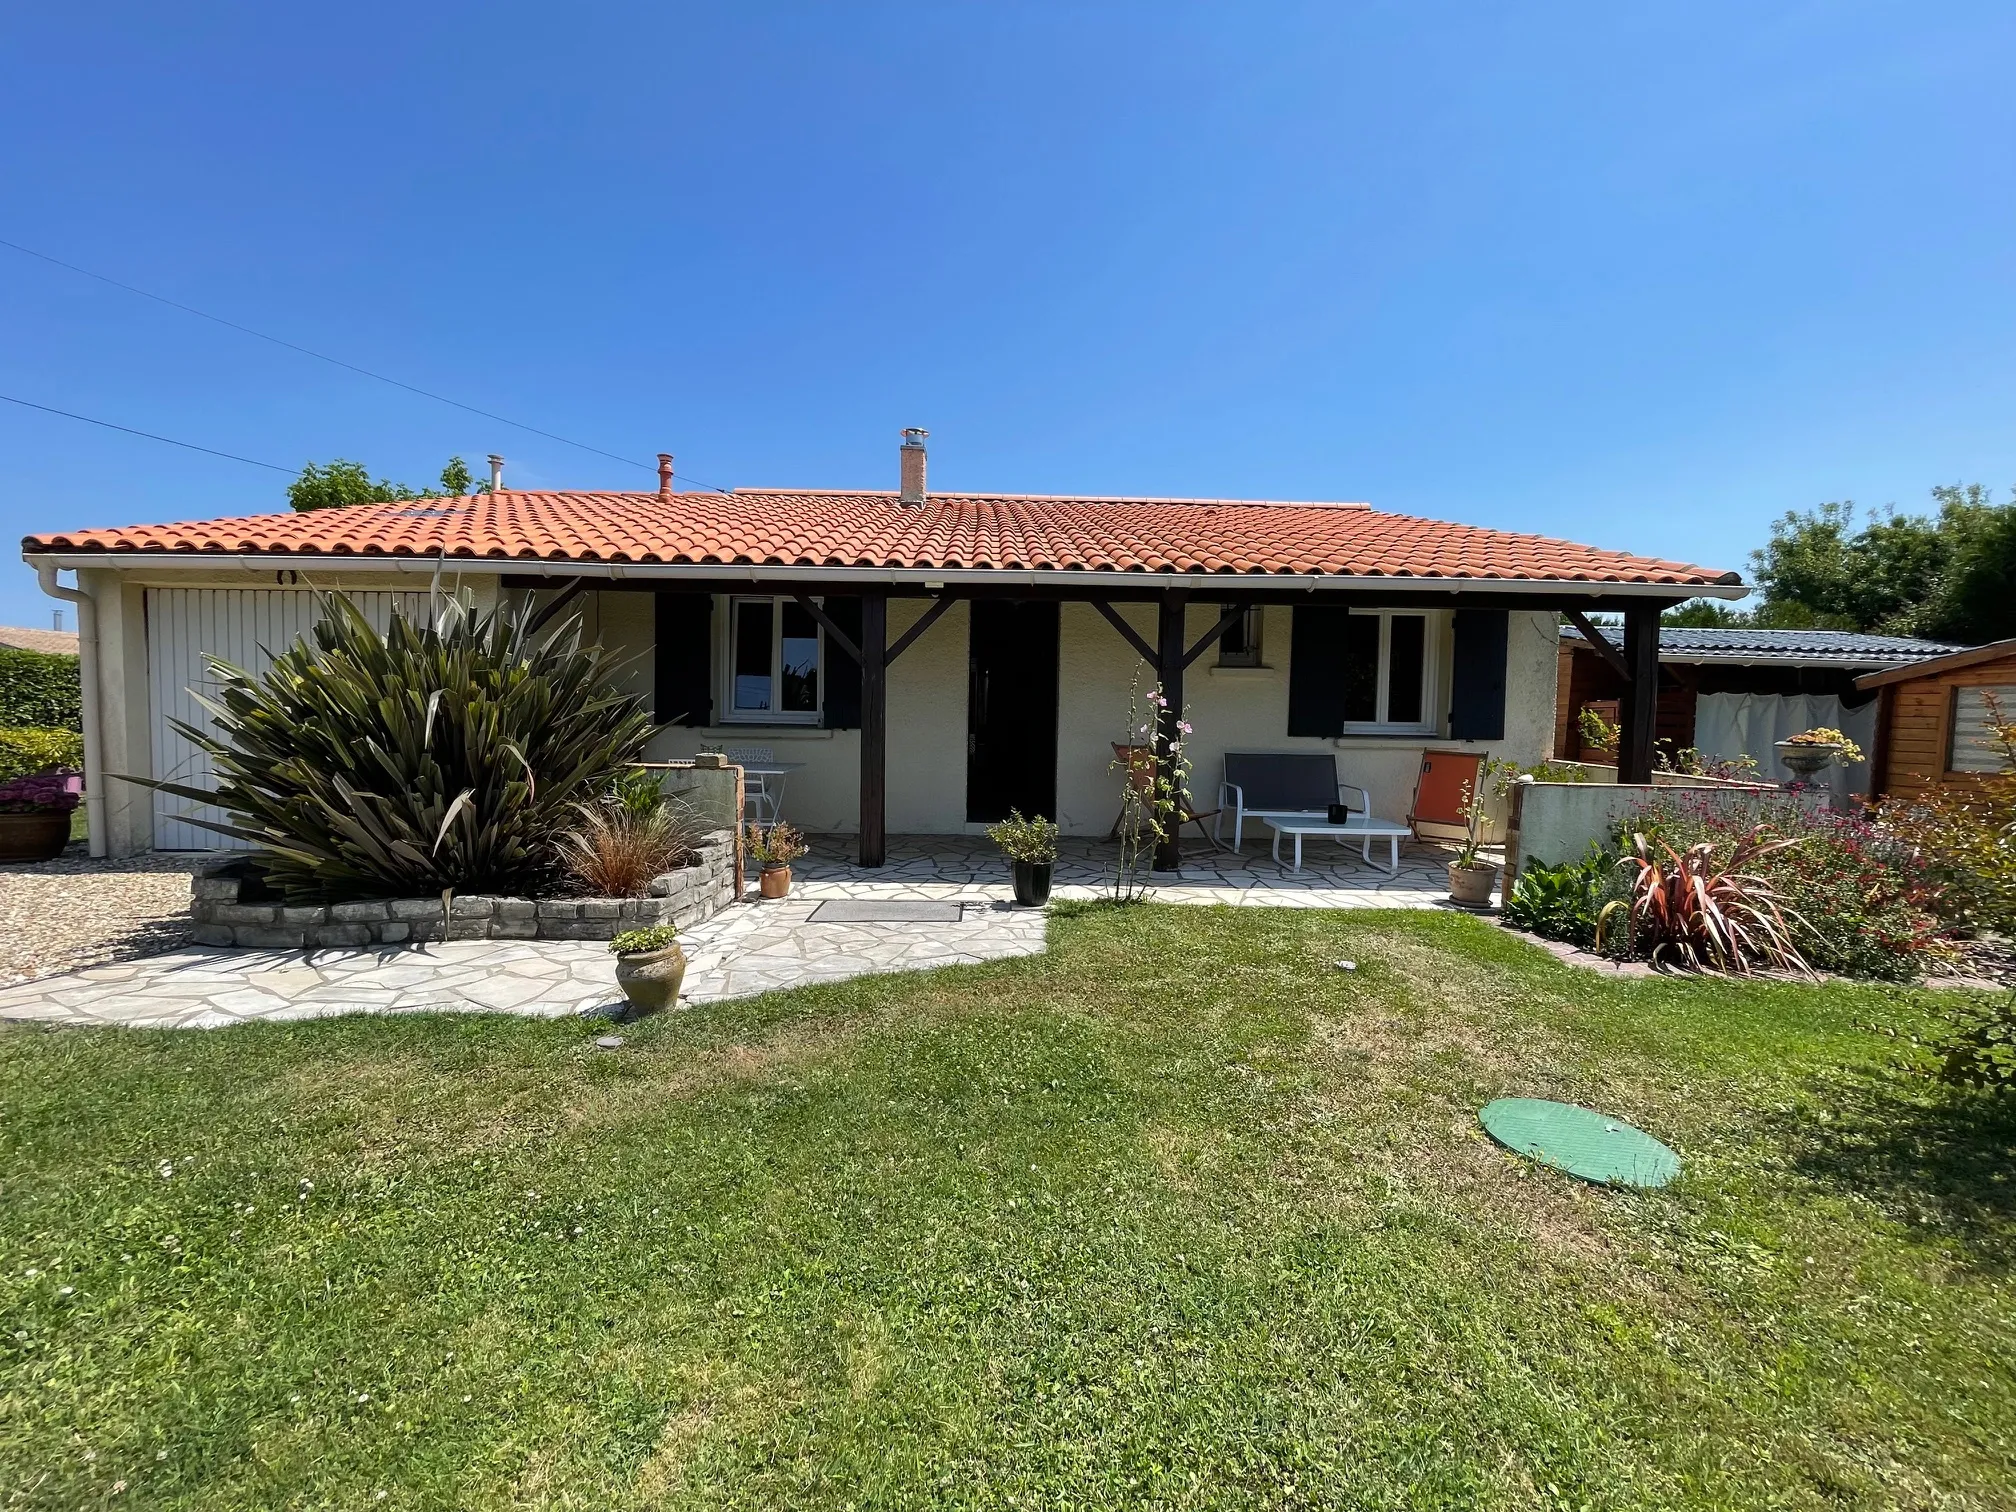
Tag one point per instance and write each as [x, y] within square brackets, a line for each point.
[1232, 708]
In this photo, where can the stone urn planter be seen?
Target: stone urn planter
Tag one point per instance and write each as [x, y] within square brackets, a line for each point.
[1032, 883]
[1470, 885]
[1806, 760]
[39, 835]
[650, 977]
[774, 881]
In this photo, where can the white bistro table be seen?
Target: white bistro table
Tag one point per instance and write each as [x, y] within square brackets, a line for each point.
[1361, 827]
[771, 787]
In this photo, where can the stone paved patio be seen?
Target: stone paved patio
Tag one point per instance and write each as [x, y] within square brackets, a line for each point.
[969, 867]
[746, 949]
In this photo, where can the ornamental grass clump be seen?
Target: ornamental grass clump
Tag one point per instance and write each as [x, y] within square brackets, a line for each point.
[445, 754]
[616, 849]
[1687, 910]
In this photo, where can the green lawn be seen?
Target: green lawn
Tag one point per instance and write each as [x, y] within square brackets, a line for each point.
[1174, 1216]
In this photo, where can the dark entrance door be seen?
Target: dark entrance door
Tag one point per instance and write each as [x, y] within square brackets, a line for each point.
[1011, 711]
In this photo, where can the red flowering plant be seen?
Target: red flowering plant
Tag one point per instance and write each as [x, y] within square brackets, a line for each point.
[1864, 905]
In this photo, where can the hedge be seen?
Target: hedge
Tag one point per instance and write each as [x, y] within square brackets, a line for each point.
[39, 688]
[24, 752]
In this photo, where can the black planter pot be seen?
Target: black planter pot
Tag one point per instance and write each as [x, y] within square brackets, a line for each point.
[1032, 883]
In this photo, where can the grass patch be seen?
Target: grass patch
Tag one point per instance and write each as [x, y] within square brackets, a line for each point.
[1173, 1216]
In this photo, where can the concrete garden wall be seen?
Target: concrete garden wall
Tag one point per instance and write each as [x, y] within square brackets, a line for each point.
[682, 897]
[1556, 822]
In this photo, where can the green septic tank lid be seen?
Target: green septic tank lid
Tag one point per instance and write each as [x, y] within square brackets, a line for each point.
[1580, 1141]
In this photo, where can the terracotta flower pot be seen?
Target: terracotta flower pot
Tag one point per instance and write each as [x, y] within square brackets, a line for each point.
[775, 881]
[650, 979]
[37, 836]
[1032, 883]
[1471, 885]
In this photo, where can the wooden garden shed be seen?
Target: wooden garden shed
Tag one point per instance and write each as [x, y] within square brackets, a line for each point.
[1932, 721]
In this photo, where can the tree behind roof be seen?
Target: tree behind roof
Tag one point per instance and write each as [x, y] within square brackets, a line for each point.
[337, 484]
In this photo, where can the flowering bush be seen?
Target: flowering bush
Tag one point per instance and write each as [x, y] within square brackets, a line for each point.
[1965, 838]
[1864, 903]
[1689, 762]
[38, 770]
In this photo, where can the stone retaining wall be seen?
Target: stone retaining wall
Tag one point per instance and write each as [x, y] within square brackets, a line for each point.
[682, 897]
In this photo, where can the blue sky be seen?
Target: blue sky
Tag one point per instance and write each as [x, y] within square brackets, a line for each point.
[1643, 276]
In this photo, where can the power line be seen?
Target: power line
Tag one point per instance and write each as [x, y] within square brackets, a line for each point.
[170, 440]
[174, 304]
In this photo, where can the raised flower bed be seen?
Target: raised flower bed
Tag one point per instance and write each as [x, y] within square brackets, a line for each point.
[232, 906]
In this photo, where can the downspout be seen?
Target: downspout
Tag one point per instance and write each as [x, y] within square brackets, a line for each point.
[87, 668]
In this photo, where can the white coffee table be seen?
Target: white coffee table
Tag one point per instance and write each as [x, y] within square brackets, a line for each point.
[1361, 827]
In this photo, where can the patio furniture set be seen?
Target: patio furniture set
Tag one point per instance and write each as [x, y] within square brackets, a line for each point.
[1297, 795]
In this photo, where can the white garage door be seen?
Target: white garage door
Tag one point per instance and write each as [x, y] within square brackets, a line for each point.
[246, 627]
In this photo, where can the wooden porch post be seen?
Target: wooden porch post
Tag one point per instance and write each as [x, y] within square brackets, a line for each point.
[1638, 710]
[1170, 660]
[874, 724]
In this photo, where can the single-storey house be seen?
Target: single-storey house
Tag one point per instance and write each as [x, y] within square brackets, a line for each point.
[926, 660]
[1734, 691]
[1932, 720]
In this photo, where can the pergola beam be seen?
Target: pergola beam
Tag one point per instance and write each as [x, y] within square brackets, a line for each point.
[1638, 709]
[1598, 641]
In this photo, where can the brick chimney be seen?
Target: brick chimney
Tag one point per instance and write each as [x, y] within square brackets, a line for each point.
[496, 473]
[911, 452]
[664, 475]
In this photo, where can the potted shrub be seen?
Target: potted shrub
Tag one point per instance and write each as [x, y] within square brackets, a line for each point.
[1031, 845]
[649, 967]
[1470, 876]
[39, 785]
[774, 850]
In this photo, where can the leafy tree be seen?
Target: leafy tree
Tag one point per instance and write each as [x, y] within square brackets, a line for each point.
[1703, 614]
[1943, 575]
[341, 483]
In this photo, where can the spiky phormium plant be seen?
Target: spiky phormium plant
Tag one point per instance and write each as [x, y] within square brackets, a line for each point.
[446, 754]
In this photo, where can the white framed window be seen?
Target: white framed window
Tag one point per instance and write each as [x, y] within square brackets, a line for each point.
[774, 654]
[1389, 673]
[1240, 645]
[1972, 742]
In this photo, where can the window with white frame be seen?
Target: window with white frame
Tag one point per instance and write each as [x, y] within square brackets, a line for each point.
[773, 662]
[1388, 673]
[1239, 646]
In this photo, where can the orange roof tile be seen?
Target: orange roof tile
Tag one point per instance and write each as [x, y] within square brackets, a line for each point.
[806, 528]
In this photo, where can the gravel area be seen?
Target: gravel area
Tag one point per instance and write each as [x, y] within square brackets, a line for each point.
[71, 912]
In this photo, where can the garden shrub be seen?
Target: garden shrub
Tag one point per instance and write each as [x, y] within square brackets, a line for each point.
[1863, 902]
[1966, 839]
[1563, 902]
[40, 688]
[448, 753]
[29, 751]
[1982, 1056]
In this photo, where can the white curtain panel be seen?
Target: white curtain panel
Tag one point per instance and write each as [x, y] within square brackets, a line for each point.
[1750, 724]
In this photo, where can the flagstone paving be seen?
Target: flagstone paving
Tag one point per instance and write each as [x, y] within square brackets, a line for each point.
[748, 948]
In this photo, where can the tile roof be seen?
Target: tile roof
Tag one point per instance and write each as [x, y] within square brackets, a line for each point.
[1808, 647]
[26, 638]
[784, 527]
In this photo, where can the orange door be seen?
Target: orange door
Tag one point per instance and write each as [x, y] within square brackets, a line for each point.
[1438, 791]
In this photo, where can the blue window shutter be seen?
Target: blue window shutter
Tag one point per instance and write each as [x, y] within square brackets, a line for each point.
[682, 684]
[1477, 686]
[842, 705]
[1316, 655]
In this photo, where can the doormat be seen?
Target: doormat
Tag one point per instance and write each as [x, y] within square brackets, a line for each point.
[885, 911]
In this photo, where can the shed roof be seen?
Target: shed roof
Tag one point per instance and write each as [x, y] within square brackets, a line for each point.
[1802, 648]
[1973, 656]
